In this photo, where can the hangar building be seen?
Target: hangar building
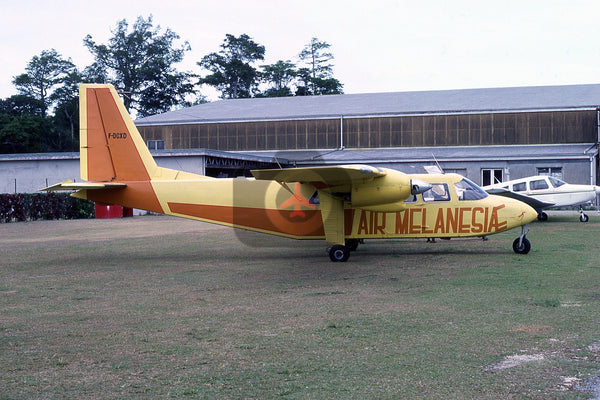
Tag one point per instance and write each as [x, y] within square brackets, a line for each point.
[484, 134]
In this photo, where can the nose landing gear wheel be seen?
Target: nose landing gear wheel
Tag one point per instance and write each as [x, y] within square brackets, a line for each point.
[584, 218]
[339, 253]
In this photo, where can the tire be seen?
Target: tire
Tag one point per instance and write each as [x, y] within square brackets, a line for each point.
[523, 248]
[584, 218]
[339, 253]
[542, 217]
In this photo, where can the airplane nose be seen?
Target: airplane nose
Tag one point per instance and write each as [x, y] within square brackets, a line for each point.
[529, 213]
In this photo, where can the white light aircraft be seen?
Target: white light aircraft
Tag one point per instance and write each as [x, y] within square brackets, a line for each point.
[543, 192]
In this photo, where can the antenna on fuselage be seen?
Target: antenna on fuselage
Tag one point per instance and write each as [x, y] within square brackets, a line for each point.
[434, 169]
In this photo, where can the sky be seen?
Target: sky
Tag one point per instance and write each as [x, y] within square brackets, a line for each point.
[378, 45]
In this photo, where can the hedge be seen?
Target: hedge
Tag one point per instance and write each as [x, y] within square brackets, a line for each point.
[34, 206]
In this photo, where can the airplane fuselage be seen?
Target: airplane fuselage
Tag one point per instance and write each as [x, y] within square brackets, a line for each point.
[551, 190]
[294, 211]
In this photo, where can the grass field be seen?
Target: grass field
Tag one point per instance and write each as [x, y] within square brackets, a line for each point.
[161, 307]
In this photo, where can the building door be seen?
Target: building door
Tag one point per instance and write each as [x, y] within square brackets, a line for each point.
[491, 176]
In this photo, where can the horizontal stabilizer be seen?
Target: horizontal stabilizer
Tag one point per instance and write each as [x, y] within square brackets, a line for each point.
[332, 176]
[70, 185]
[537, 204]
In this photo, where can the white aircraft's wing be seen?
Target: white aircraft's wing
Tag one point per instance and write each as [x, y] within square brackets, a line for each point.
[537, 204]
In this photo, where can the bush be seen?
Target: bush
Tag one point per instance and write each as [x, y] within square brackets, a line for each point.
[34, 206]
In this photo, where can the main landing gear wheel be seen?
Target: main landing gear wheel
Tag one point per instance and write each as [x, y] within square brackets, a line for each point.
[521, 246]
[339, 253]
[542, 216]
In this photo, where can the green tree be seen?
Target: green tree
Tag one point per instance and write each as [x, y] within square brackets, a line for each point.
[232, 71]
[23, 133]
[280, 76]
[140, 63]
[317, 73]
[19, 105]
[42, 74]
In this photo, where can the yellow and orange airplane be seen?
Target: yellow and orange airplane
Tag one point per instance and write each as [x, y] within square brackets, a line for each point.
[341, 204]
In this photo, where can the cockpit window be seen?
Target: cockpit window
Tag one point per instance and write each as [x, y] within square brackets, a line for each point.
[467, 190]
[555, 182]
[438, 192]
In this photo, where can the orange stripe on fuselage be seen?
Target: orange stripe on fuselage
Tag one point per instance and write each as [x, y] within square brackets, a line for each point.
[275, 221]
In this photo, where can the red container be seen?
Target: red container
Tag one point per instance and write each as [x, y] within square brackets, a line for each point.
[105, 211]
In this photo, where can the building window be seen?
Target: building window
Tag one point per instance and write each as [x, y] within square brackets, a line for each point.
[156, 144]
[555, 172]
[491, 176]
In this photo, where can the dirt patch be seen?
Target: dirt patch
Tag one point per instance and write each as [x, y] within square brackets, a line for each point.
[513, 361]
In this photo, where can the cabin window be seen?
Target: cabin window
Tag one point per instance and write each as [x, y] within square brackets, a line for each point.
[314, 199]
[539, 184]
[467, 190]
[519, 187]
[438, 192]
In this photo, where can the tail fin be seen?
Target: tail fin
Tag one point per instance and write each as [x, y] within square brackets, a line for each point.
[112, 148]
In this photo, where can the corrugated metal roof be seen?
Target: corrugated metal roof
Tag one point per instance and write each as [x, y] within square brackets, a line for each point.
[579, 151]
[396, 103]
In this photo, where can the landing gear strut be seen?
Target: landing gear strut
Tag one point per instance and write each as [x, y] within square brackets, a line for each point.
[521, 245]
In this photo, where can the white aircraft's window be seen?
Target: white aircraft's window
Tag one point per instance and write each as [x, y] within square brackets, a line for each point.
[539, 184]
[520, 187]
[555, 182]
[467, 190]
[438, 192]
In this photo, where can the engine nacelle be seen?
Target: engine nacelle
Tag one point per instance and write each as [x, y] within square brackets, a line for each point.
[395, 186]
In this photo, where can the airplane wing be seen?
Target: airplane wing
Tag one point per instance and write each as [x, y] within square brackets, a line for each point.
[330, 176]
[536, 204]
[70, 185]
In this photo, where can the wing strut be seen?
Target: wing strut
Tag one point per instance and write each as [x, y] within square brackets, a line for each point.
[332, 213]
